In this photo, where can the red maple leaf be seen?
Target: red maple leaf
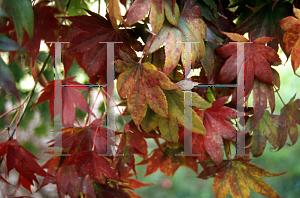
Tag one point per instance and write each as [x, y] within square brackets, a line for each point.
[19, 158]
[217, 125]
[97, 167]
[88, 52]
[257, 61]
[46, 27]
[70, 96]
[67, 182]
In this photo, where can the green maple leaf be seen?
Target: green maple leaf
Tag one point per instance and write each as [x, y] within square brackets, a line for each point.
[169, 127]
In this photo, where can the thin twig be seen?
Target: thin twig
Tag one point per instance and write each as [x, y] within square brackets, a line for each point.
[99, 6]
[89, 114]
[31, 94]
[10, 111]
[116, 105]
[276, 90]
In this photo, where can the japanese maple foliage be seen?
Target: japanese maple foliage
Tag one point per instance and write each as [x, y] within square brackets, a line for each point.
[149, 60]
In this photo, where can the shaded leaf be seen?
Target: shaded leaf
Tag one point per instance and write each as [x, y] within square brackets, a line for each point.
[262, 93]
[264, 23]
[268, 128]
[22, 13]
[291, 113]
[7, 44]
[7, 80]
[92, 55]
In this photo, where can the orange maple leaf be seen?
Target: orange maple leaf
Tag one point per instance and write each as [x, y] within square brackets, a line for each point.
[291, 26]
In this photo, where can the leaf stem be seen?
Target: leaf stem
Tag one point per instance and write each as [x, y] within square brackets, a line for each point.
[10, 111]
[116, 105]
[276, 90]
[89, 114]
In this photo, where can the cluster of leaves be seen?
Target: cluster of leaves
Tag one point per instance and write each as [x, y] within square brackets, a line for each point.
[147, 84]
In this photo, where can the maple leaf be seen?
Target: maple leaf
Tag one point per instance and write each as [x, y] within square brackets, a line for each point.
[114, 13]
[197, 141]
[262, 92]
[268, 128]
[217, 125]
[82, 139]
[132, 142]
[132, 183]
[235, 175]
[67, 182]
[291, 113]
[190, 28]
[291, 26]
[70, 96]
[167, 162]
[142, 84]
[257, 61]
[264, 23]
[97, 167]
[19, 158]
[87, 187]
[88, 52]
[46, 27]
[103, 191]
[158, 10]
[169, 127]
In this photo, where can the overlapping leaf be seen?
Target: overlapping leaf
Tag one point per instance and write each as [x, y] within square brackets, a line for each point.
[142, 84]
[169, 127]
[19, 158]
[47, 28]
[132, 142]
[82, 139]
[67, 182]
[262, 93]
[70, 96]
[291, 26]
[22, 13]
[92, 55]
[97, 167]
[158, 10]
[167, 162]
[257, 61]
[270, 127]
[7, 80]
[264, 23]
[291, 113]
[190, 28]
[217, 125]
[114, 13]
[235, 176]
[197, 143]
